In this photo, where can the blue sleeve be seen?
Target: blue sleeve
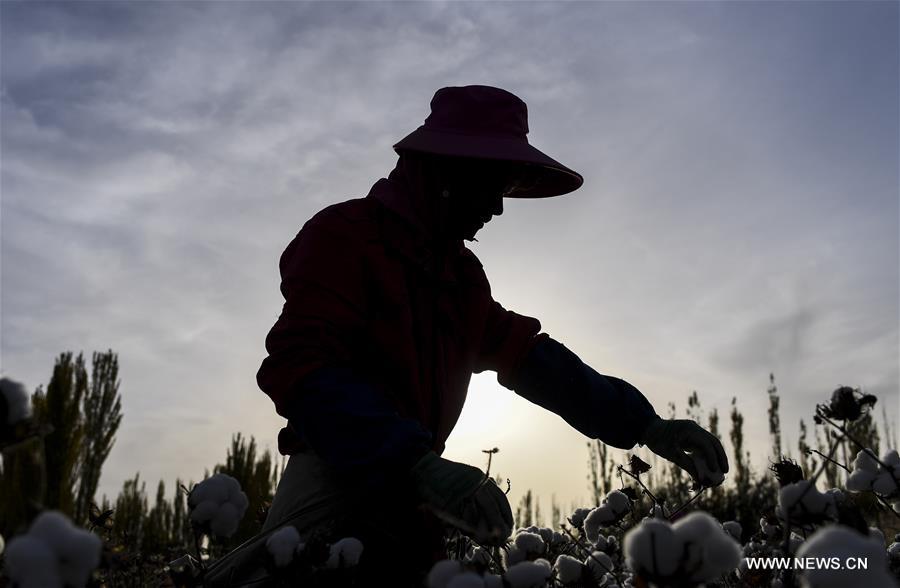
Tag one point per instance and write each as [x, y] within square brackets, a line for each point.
[600, 407]
[354, 428]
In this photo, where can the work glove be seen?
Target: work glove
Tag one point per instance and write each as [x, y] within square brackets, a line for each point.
[463, 496]
[690, 447]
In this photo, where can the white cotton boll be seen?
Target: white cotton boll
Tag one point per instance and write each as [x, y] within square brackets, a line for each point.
[659, 511]
[282, 544]
[466, 580]
[722, 555]
[79, 556]
[654, 547]
[514, 555]
[530, 543]
[865, 461]
[52, 527]
[884, 484]
[842, 542]
[860, 480]
[18, 402]
[599, 564]
[546, 534]
[345, 553]
[618, 502]
[240, 501]
[544, 562]
[697, 526]
[602, 515]
[579, 515]
[31, 563]
[232, 485]
[77, 550]
[226, 520]
[211, 489]
[891, 458]
[711, 551]
[601, 544]
[493, 581]
[795, 500]
[204, 512]
[733, 528]
[442, 572]
[527, 574]
[568, 569]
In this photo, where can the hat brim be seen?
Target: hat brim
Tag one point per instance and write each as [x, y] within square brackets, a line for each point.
[552, 178]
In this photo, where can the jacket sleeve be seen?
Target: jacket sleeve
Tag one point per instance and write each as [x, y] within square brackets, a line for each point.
[508, 336]
[308, 372]
[600, 407]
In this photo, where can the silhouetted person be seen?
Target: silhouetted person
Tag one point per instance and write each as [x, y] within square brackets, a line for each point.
[386, 317]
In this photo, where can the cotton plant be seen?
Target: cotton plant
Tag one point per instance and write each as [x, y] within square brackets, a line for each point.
[600, 566]
[838, 541]
[577, 517]
[569, 570]
[694, 550]
[217, 505]
[283, 545]
[344, 553]
[881, 477]
[802, 505]
[52, 553]
[614, 507]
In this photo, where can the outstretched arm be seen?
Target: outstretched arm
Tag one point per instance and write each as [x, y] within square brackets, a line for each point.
[598, 406]
[612, 410]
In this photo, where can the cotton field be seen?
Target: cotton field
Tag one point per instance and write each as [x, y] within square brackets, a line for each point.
[808, 534]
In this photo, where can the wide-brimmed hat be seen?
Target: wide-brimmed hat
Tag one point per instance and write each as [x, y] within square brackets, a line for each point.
[489, 123]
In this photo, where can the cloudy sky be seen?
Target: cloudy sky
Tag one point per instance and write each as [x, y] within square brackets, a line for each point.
[739, 214]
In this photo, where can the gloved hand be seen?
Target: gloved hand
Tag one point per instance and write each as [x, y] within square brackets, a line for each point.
[690, 447]
[463, 496]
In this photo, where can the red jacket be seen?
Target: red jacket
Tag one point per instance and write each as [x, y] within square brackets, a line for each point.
[364, 288]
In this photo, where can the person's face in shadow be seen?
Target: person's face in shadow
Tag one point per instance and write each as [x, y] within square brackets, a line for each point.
[472, 192]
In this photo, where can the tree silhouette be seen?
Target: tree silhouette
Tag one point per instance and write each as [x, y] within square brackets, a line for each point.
[61, 408]
[255, 476]
[101, 418]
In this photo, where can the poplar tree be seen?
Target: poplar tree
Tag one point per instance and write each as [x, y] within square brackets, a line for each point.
[102, 415]
[60, 407]
[774, 418]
